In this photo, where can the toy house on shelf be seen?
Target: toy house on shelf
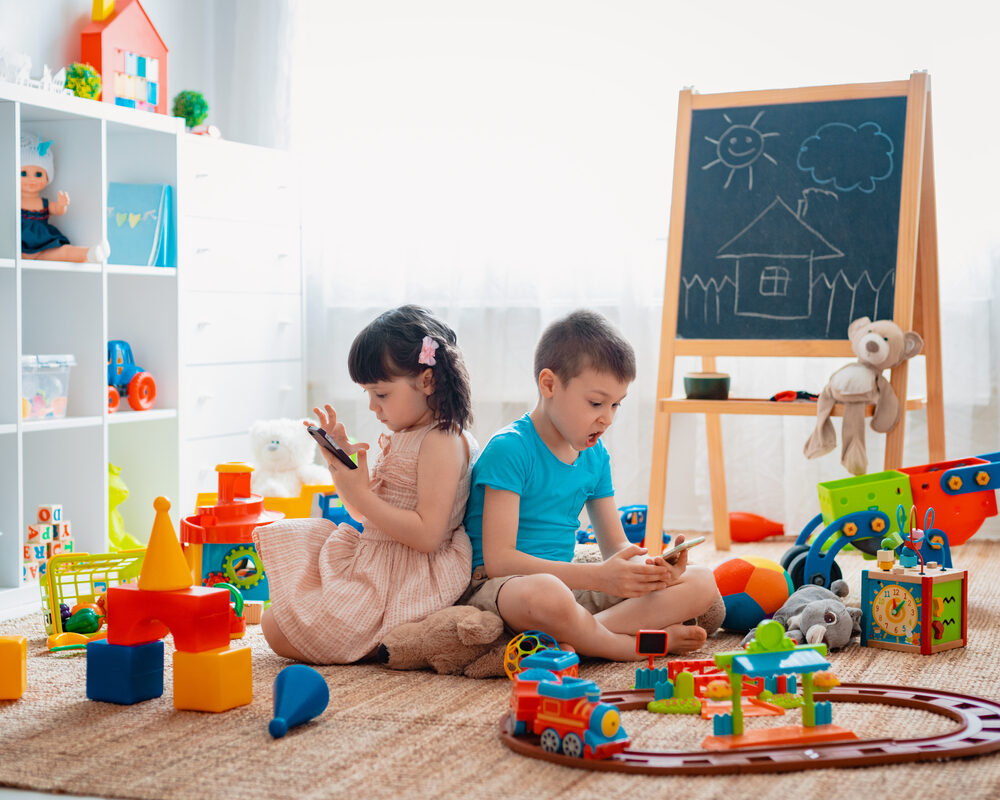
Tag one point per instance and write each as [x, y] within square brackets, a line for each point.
[125, 48]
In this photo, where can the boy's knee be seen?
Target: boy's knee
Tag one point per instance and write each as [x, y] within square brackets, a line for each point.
[704, 590]
[545, 597]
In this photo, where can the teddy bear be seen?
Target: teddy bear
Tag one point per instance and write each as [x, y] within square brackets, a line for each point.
[457, 640]
[814, 615]
[284, 458]
[879, 345]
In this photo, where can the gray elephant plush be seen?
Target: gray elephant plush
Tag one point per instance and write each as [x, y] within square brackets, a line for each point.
[815, 614]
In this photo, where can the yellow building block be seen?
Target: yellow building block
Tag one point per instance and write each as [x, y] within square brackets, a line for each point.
[213, 680]
[164, 569]
[13, 667]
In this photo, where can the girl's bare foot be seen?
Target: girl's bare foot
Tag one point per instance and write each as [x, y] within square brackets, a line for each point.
[683, 639]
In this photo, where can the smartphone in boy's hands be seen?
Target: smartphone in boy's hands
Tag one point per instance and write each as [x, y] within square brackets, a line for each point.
[327, 443]
[671, 554]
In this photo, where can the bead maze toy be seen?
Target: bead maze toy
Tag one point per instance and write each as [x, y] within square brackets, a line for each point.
[860, 511]
[914, 609]
[300, 694]
[217, 538]
[127, 666]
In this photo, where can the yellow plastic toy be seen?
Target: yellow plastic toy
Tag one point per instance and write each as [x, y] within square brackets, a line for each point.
[13, 667]
[165, 568]
[213, 680]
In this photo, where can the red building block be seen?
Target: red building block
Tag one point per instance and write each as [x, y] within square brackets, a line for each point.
[198, 617]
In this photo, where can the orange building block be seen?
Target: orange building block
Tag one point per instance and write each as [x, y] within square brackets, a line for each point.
[198, 617]
[13, 667]
[215, 680]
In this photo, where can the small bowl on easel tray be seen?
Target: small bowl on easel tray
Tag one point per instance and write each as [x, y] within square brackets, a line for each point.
[706, 386]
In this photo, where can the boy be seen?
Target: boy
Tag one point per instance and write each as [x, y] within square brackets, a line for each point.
[528, 488]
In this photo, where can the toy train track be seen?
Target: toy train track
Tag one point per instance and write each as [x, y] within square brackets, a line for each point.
[979, 733]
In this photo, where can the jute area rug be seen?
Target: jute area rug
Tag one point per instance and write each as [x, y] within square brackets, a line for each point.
[420, 735]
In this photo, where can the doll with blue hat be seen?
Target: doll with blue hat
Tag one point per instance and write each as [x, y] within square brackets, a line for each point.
[39, 238]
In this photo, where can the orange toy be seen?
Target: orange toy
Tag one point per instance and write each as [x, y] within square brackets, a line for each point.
[13, 667]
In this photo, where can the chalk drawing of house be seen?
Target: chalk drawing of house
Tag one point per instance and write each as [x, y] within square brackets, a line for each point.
[774, 257]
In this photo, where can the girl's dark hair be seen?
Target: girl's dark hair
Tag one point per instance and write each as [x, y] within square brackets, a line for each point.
[390, 348]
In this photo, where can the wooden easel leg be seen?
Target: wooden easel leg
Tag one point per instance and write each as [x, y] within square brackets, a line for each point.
[717, 477]
[927, 301]
[658, 483]
[894, 438]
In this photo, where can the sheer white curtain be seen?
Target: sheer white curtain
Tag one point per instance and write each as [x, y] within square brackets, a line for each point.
[506, 163]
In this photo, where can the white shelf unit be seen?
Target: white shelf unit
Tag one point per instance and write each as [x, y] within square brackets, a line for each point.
[221, 332]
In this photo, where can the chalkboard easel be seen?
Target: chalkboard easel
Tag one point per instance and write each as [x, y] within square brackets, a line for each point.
[793, 212]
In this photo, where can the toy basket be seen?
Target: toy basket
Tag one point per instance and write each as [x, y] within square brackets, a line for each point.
[73, 578]
[883, 491]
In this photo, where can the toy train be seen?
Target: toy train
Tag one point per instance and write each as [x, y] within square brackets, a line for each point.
[565, 712]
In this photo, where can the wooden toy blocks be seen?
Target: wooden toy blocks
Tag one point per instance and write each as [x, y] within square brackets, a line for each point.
[13, 667]
[214, 680]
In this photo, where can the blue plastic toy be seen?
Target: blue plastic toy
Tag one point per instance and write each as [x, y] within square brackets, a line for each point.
[300, 693]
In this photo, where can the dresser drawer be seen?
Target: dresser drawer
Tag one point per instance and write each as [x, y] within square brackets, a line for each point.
[227, 399]
[226, 180]
[225, 327]
[222, 255]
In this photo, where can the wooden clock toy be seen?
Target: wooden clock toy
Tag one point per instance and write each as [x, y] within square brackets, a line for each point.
[913, 612]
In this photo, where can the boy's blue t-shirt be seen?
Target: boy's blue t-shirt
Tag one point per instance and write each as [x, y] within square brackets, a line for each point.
[552, 492]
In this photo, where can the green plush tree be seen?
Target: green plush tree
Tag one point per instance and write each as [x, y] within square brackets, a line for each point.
[83, 80]
[192, 106]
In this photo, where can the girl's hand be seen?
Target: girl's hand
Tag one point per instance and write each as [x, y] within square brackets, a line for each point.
[328, 421]
[627, 574]
[351, 483]
[60, 205]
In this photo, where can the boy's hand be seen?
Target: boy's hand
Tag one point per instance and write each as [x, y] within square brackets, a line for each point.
[628, 573]
[676, 565]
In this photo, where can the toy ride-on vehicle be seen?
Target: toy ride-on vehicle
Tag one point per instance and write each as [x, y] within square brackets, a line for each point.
[125, 378]
[864, 512]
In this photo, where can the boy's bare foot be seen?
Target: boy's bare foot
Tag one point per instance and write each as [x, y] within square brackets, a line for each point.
[683, 639]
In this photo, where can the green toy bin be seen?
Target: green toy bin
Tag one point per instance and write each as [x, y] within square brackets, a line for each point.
[884, 491]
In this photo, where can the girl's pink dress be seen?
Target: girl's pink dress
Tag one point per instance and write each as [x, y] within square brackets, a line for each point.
[335, 592]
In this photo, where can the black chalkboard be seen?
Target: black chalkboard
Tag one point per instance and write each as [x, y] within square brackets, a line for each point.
[791, 218]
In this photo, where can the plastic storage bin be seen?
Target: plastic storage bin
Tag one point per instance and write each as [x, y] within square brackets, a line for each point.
[45, 385]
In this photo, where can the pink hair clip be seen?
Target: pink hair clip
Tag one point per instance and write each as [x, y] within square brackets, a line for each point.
[427, 352]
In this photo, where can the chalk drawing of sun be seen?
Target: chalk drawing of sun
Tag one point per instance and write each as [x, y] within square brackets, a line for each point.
[739, 147]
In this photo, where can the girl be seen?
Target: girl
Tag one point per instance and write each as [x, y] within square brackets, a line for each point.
[334, 591]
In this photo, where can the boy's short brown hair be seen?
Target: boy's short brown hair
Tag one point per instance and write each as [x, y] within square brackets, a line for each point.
[584, 339]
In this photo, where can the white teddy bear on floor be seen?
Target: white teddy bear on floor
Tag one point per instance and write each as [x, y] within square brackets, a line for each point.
[284, 458]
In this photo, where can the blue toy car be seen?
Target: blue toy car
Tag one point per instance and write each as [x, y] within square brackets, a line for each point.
[633, 521]
[128, 379]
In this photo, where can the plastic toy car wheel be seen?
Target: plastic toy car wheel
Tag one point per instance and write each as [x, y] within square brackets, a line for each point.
[572, 745]
[550, 740]
[114, 399]
[142, 392]
[797, 570]
[791, 554]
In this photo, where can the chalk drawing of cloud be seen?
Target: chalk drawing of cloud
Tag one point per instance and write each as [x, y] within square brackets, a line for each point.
[850, 158]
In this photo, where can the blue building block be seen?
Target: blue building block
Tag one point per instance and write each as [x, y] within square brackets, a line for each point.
[300, 693]
[824, 713]
[124, 674]
[722, 724]
[333, 509]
